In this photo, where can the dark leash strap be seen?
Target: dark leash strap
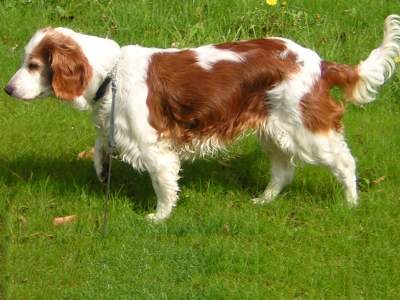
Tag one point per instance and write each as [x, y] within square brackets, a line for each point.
[111, 147]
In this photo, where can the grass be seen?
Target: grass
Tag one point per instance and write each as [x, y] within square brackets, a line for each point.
[216, 245]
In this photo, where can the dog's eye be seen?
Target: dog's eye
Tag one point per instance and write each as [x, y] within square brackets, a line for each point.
[33, 66]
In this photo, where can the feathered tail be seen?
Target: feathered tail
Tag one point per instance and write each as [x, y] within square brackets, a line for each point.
[361, 82]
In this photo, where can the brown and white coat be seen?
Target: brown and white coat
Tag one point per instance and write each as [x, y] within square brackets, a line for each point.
[173, 104]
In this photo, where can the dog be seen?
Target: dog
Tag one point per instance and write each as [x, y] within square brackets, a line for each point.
[174, 104]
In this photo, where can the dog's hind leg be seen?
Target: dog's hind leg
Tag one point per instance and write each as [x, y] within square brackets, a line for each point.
[332, 151]
[282, 171]
[163, 166]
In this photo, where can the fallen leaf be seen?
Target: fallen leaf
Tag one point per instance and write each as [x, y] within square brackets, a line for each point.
[379, 180]
[226, 229]
[22, 220]
[64, 220]
[87, 154]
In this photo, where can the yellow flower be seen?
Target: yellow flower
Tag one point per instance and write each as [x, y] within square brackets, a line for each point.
[271, 2]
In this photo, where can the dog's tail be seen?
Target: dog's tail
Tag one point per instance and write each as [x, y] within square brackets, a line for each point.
[361, 82]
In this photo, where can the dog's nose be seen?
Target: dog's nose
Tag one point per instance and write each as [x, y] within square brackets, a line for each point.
[9, 89]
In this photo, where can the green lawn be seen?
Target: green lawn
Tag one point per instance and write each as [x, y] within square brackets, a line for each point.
[216, 245]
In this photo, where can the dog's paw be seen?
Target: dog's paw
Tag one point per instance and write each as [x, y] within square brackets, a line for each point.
[258, 201]
[352, 202]
[352, 198]
[155, 218]
[103, 175]
[268, 196]
[263, 199]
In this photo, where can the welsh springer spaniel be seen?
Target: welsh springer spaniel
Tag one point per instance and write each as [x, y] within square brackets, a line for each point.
[174, 104]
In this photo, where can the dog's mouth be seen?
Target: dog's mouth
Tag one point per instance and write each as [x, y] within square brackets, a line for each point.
[28, 99]
[41, 95]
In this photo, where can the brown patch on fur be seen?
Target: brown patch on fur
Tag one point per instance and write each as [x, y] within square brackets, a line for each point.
[344, 76]
[64, 63]
[320, 111]
[273, 46]
[188, 102]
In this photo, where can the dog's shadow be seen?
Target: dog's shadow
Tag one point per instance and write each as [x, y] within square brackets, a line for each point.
[245, 173]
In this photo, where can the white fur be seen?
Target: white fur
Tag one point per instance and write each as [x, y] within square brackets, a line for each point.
[208, 55]
[284, 99]
[199, 148]
[34, 41]
[27, 85]
[379, 65]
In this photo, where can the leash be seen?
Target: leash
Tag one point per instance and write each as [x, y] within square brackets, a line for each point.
[111, 77]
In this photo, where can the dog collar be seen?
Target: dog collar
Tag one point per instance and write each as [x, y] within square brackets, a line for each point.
[102, 88]
[111, 76]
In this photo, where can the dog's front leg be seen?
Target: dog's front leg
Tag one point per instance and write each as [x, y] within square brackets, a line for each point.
[163, 166]
[100, 159]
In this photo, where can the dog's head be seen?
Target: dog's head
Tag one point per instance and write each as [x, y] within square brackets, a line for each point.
[53, 64]
[64, 63]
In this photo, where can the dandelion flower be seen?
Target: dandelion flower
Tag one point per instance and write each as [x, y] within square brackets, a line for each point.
[271, 2]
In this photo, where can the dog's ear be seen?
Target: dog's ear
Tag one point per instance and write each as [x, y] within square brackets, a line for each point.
[70, 69]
